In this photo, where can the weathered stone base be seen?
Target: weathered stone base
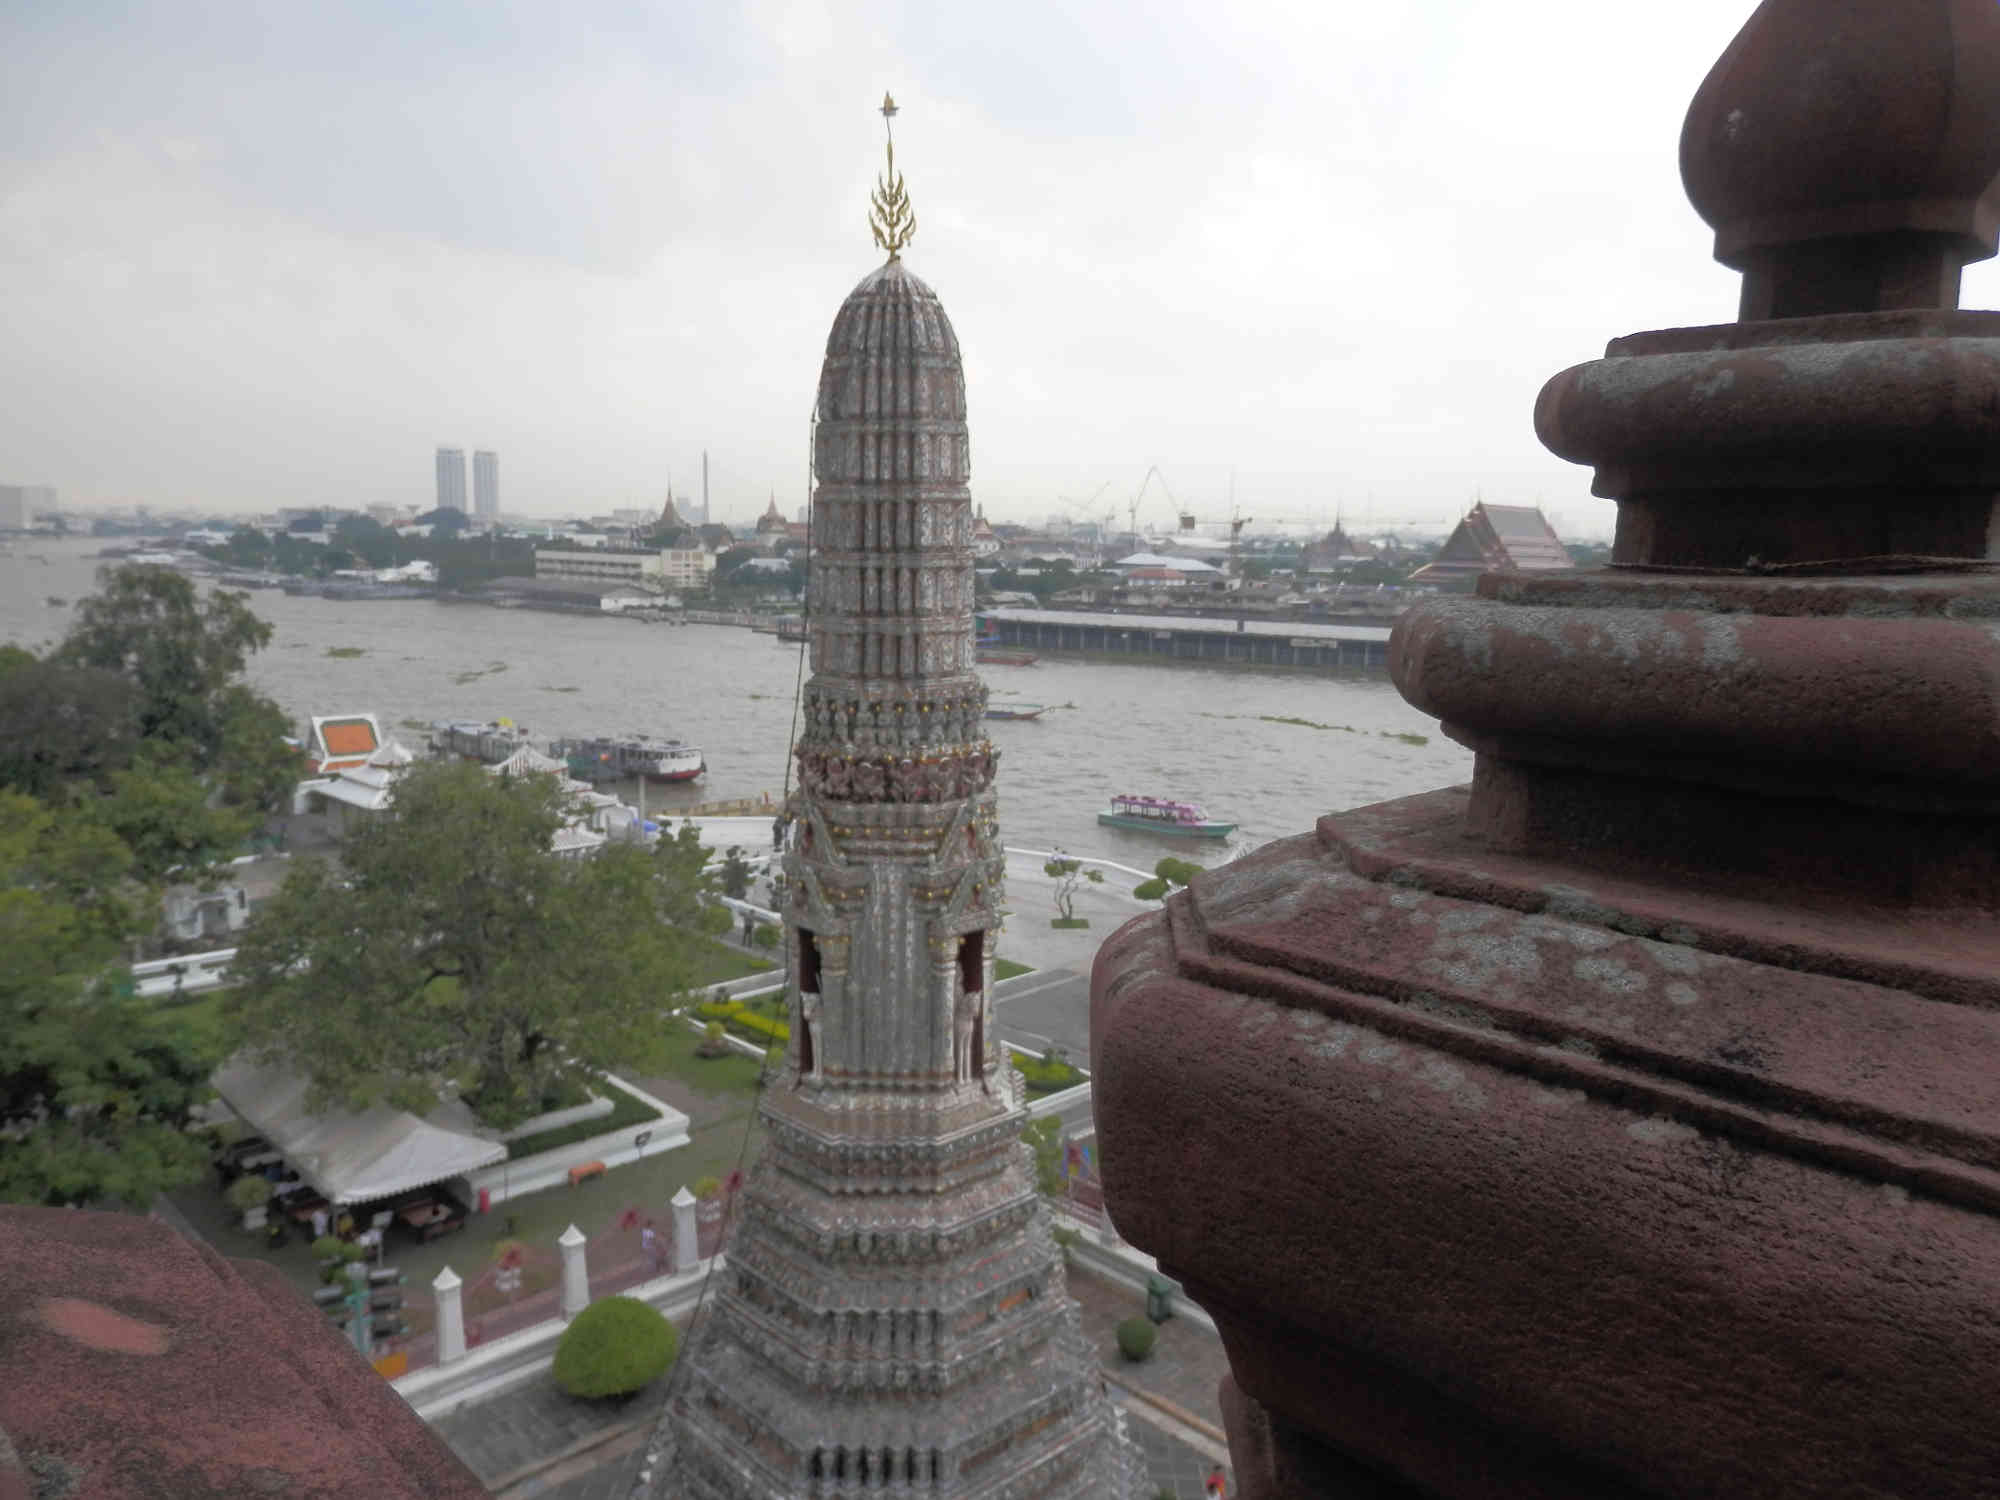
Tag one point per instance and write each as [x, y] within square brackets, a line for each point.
[1525, 1177]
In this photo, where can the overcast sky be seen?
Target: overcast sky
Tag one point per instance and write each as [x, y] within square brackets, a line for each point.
[261, 255]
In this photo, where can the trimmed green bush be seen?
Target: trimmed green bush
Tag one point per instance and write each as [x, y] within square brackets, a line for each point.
[1135, 1338]
[1047, 1075]
[706, 1187]
[616, 1346]
[246, 1193]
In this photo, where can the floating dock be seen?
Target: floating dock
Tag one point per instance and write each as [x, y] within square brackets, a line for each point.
[1257, 643]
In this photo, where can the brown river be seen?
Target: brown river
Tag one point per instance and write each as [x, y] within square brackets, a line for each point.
[1232, 740]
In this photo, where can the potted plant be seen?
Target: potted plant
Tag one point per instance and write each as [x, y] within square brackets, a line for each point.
[250, 1196]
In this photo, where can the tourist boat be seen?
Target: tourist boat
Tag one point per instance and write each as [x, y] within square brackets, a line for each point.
[1014, 710]
[489, 743]
[637, 756]
[1160, 815]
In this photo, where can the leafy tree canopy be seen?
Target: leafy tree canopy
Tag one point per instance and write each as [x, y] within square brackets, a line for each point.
[96, 1087]
[183, 656]
[452, 952]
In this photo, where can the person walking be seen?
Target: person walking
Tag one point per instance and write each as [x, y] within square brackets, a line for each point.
[1217, 1485]
[649, 1246]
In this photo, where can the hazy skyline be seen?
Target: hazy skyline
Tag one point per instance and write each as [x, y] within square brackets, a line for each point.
[278, 256]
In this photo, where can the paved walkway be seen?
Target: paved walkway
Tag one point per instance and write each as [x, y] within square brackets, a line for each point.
[536, 1442]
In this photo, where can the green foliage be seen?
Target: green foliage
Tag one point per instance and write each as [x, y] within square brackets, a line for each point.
[487, 965]
[1049, 1074]
[1136, 1337]
[1168, 874]
[248, 1192]
[1066, 872]
[97, 1088]
[714, 921]
[615, 1346]
[183, 654]
[1006, 968]
[628, 1112]
[764, 935]
[1045, 1146]
[706, 1187]
[733, 879]
[745, 1020]
[62, 725]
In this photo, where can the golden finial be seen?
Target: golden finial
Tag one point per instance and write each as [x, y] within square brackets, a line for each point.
[890, 220]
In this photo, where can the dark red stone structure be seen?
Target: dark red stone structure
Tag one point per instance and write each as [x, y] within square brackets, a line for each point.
[1628, 1122]
[137, 1364]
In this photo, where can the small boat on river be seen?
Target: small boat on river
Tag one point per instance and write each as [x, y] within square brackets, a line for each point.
[1162, 815]
[488, 743]
[1015, 710]
[637, 756]
[989, 658]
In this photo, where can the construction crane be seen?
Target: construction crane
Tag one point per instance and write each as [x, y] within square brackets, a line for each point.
[1132, 505]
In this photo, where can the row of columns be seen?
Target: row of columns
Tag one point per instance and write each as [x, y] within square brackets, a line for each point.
[448, 1289]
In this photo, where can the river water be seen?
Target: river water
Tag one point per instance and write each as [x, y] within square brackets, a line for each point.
[1199, 733]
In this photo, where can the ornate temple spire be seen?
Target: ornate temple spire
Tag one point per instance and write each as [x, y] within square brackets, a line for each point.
[891, 219]
[894, 1313]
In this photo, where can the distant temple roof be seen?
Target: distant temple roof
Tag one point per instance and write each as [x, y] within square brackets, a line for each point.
[771, 520]
[340, 743]
[1337, 547]
[670, 519]
[1507, 538]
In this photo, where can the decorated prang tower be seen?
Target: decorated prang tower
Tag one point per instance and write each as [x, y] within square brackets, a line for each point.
[893, 1314]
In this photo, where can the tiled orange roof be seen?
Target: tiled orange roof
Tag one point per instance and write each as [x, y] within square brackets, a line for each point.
[348, 736]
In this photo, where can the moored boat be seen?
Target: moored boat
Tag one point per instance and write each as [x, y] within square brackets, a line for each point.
[639, 756]
[1163, 815]
[1014, 710]
[1004, 658]
[489, 743]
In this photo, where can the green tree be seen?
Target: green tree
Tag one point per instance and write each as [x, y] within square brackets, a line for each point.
[62, 724]
[1067, 873]
[184, 657]
[1044, 1138]
[368, 539]
[97, 1088]
[734, 877]
[451, 950]
[1168, 875]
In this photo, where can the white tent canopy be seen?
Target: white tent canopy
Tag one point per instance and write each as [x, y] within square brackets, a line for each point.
[350, 1157]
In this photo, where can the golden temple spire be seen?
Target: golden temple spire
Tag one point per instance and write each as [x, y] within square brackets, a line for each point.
[890, 219]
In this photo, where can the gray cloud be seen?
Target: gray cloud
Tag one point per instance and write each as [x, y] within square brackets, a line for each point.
[265, 255]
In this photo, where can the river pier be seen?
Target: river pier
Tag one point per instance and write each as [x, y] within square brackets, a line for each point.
[1257, 643]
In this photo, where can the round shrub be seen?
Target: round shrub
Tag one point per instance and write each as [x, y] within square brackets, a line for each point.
[246, 1193]
[1135, 1338]
[617, 1345]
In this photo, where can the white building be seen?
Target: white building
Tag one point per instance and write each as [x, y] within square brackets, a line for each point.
[486, 487]
[21, 503]
[653, 570]
[451, 478]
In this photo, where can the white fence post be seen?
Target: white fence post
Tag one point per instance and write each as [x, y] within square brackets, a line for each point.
[575, 1273]
[448, 1290]
[687, 1244]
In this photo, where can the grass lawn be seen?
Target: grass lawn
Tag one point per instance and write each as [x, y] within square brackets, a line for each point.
[1006, 968]
[734, 1074]
[718, 963]
[627, 1111]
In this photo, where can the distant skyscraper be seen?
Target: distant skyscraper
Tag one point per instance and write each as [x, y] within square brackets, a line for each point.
[486, 487]
[451, 479]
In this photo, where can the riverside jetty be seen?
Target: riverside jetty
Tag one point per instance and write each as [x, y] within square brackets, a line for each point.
[1262, 643]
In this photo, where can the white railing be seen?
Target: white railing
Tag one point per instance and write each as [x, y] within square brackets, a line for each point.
[191, 974]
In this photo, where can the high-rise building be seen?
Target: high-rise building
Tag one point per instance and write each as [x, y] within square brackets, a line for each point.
[486, 487]
[20, 504]
[894, 1314]
[451, 479]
